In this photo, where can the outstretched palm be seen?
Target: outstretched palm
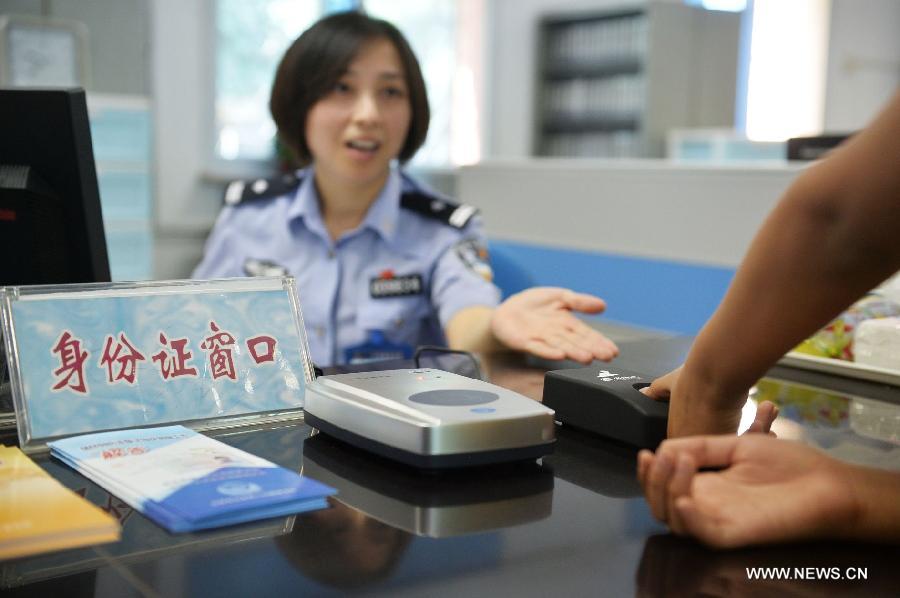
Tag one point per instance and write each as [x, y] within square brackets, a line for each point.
[540, 321]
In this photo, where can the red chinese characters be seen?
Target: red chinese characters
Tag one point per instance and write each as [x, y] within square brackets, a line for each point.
[262, 348]
[173, 364]
[116, 452]
[221, 358]
[71, 373]
[120, 360]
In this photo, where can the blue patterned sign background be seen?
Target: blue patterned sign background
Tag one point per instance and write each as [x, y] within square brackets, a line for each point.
[266, 386]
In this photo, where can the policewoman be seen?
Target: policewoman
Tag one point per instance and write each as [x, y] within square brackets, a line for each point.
[381, 263]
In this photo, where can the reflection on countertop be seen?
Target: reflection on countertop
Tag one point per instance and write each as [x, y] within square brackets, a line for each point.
[675, 567]
[430, 503]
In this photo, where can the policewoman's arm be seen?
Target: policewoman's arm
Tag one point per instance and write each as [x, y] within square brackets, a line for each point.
[831, 238]
[538, 320]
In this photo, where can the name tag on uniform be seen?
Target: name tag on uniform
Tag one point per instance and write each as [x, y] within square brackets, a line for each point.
[388, 285]
[255, 267]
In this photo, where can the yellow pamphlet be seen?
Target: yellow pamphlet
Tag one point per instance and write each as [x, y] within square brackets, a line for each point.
[38, 514]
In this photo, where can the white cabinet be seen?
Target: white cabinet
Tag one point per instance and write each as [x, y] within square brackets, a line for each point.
[612, 83]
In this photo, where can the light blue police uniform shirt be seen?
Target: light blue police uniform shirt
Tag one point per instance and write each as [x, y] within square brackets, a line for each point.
[333, 277]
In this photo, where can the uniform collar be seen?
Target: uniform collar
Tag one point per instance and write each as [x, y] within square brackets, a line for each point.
[382, 217]
[305, 204]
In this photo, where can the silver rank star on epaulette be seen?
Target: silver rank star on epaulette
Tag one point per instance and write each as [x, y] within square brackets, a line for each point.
[238, 192]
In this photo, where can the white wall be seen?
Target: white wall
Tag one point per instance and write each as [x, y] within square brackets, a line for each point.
[644, 208]
[863, 61]
[186, 202]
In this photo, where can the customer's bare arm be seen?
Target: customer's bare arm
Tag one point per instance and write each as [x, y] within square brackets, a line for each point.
[832, 237]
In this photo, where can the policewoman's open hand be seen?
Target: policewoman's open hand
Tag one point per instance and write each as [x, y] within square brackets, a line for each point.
[540, 321]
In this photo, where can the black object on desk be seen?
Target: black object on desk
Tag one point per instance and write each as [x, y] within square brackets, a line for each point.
[813, 148]
[601, 465]
[51, 225]
[607, 400]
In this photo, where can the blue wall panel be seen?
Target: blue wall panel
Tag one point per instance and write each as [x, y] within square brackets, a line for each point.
[665, 295]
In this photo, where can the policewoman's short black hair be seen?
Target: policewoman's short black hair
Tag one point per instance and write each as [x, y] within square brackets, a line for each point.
[319, 58]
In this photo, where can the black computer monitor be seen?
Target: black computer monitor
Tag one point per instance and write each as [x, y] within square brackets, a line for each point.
[51, 227]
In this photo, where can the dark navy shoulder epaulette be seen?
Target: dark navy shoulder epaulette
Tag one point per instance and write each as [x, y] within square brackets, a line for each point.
[431, 206]
[238, 192]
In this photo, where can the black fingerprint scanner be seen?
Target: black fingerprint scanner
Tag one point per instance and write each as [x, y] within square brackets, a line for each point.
[606, 400]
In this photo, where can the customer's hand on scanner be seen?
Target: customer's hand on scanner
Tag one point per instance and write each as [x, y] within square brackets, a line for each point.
[699, 408]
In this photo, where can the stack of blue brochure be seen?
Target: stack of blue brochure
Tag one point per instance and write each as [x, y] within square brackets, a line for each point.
[186, 481]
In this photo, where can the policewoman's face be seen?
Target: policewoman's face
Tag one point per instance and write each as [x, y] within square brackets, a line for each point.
[356, 129]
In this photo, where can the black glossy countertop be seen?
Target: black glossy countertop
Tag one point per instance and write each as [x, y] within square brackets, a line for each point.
[571, 525]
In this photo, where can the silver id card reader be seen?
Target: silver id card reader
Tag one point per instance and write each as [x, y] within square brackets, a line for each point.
[430, 418]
